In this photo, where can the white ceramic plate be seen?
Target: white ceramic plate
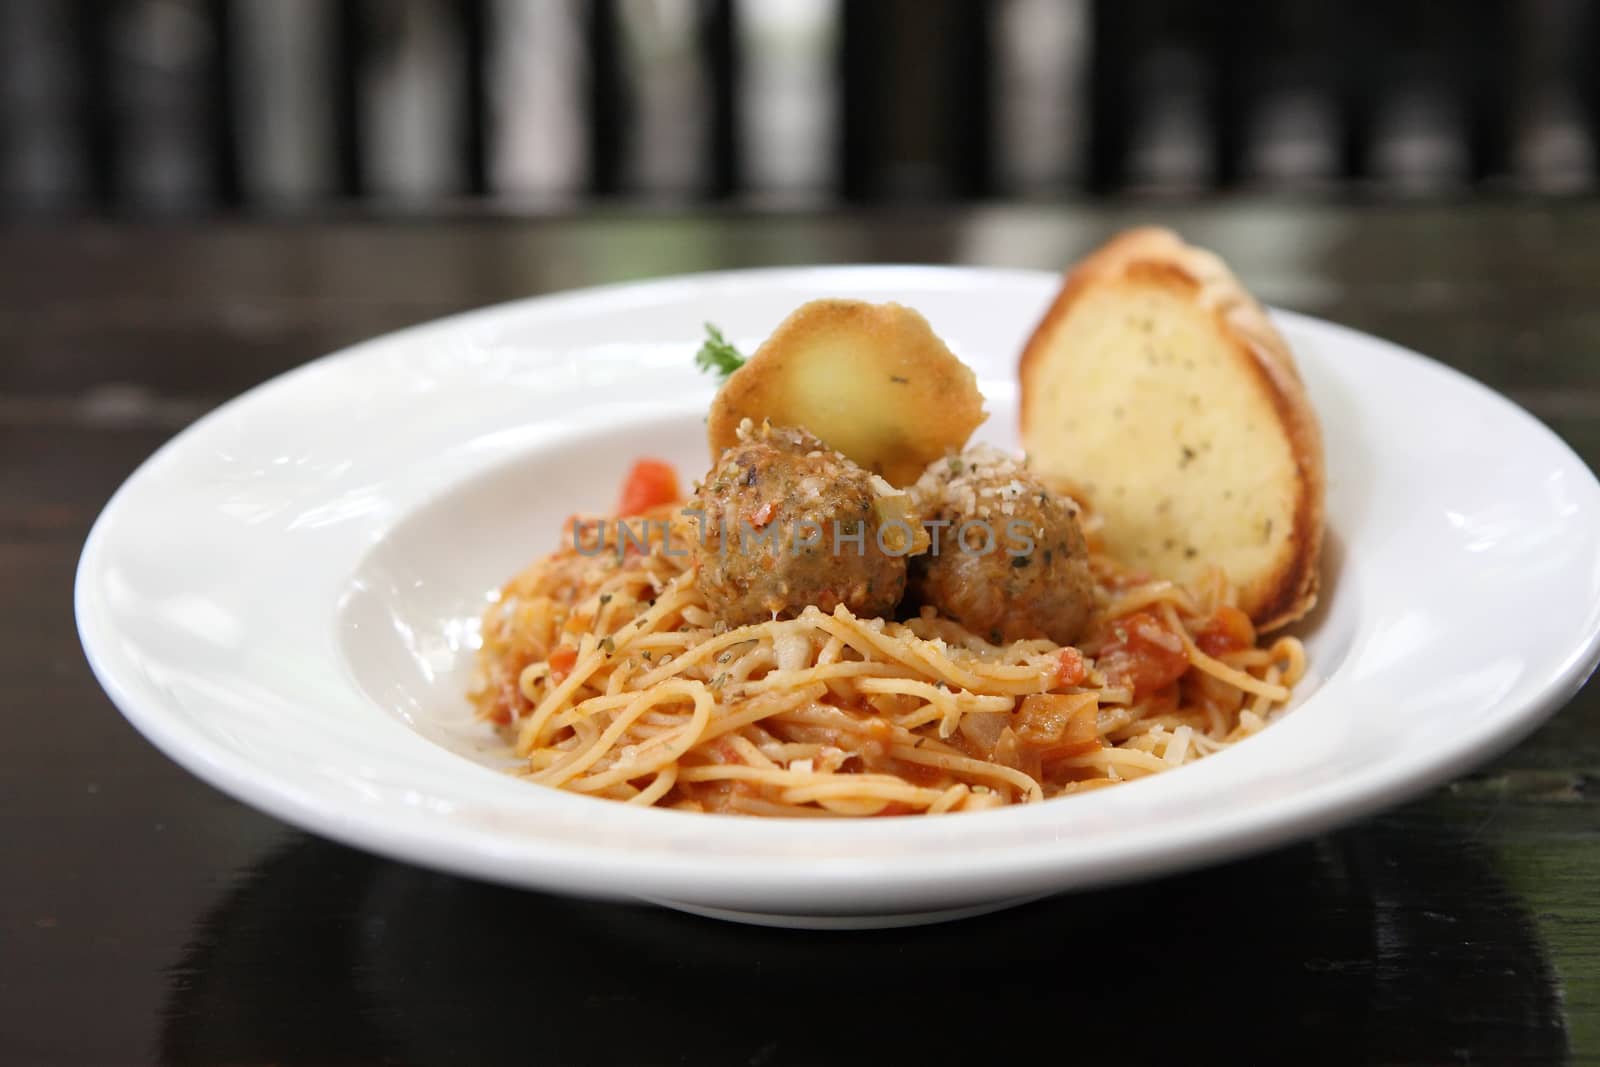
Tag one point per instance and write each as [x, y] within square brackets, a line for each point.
[284, 600]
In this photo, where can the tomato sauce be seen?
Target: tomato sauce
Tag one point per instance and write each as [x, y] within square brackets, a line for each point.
[1142, 654]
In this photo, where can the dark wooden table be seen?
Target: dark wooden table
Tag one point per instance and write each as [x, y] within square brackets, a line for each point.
[145, 917]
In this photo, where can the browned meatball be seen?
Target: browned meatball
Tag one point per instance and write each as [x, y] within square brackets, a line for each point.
[1010, 561]
[785, 522]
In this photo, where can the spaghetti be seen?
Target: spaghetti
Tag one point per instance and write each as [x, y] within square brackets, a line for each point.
[615, 680]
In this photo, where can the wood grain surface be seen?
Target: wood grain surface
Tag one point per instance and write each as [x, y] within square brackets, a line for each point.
[145, 917]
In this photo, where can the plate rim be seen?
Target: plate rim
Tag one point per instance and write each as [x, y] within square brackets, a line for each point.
[1302, 814]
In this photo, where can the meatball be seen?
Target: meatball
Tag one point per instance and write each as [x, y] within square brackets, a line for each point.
[785, 522]
[1009, 560]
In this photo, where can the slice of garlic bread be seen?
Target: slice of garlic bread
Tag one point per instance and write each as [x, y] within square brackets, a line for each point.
[1156, 386]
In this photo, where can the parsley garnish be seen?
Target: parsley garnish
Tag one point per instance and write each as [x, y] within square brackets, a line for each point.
[717, 356]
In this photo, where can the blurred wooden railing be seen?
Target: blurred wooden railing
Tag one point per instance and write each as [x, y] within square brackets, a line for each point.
[148, 106]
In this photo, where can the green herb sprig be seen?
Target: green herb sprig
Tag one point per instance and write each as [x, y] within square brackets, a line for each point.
[717, 356]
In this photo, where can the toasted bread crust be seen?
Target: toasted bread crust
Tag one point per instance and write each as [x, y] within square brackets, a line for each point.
[873, 381]
[1158, 256]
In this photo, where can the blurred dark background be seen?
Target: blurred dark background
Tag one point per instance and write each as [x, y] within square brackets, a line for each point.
[160, 107]
[1424, 171]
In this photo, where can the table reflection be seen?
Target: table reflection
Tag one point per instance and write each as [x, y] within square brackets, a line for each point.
[1311, 952]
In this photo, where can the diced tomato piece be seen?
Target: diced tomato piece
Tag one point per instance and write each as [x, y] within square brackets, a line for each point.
[649, 484]
[500, 713]
[1143, 654]
[1227, 631]
[562, 660]
[1070, 668]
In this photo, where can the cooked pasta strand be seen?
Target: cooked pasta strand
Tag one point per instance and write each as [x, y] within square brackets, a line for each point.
[617, 681]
